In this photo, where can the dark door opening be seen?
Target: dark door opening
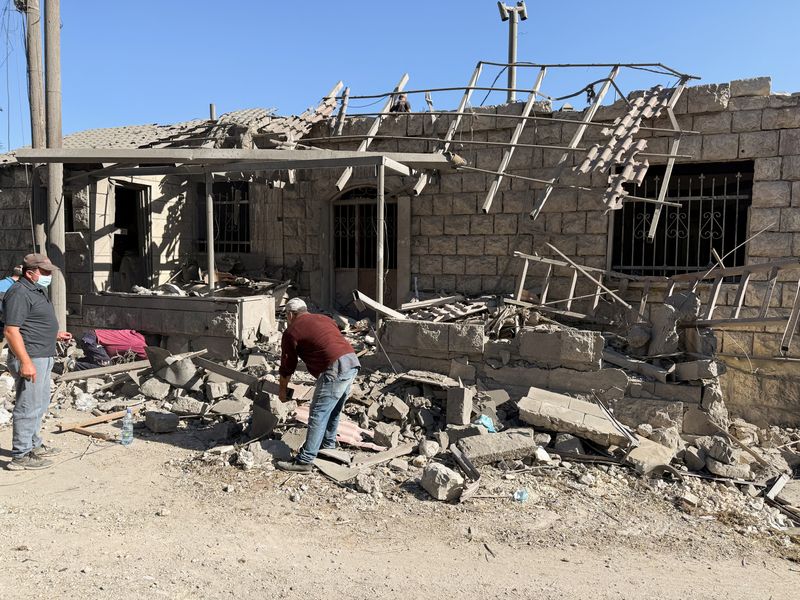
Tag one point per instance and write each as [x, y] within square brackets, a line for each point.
[130, 252]
[355, 233]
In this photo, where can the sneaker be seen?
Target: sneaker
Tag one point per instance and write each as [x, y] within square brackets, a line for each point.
[29, 462]
[294, 466]
[45, 450]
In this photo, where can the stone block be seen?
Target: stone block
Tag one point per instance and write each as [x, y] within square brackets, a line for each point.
[719, 122]
[649, 455]
[442, 483]
[781, 118]
[465, 204]
[767, 169]
[155, 389]
[756, 86]
[657, 413]
[470, 245]
[512, 444]
[697, 422]
[505, 224]
[694, 458]
[790, 219]
[481, 265]
[442, 244]
[759, 144]
[697, 369]
[566, 442]
[433, 225]
[459, 432]
[466, 339]
[560, 413]
[394, 408]
[481, 224]
[790, 141]
[496, 245]
[721, 146]
[417, 337]
[771, 193]
[459, 406]
[569, 348]
[708, 98]
[431, 264]
[791, 168]
[460, 369]
[771, 245]
[691, 394]
[161, 421]
[746, 120]
[216, 390]
[751, 103]
[454, 265]
[386, 434]
[734, 471]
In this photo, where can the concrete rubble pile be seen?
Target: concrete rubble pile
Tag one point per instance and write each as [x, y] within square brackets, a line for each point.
[448, 404]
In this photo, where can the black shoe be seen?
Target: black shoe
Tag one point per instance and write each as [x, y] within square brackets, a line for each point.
[29, 462]
[294, 466]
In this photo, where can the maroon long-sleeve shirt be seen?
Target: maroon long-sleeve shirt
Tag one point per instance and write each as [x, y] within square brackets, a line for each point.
[314, 338]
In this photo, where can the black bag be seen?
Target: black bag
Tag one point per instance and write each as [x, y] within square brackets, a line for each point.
[93, 351]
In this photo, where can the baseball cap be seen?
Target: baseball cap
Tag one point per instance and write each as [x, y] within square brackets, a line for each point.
[296, 305]
[38, 261]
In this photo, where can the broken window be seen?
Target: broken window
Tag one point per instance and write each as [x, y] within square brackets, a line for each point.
[231, 217]
[355, 222]
[714, 199]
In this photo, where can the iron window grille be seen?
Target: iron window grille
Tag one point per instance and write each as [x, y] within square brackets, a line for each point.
[714, 199]
[231, 217]
[355, 231]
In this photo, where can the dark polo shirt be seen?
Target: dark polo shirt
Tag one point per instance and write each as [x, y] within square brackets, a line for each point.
[27, 306]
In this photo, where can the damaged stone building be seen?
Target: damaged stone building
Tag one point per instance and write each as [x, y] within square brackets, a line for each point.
[737, 174]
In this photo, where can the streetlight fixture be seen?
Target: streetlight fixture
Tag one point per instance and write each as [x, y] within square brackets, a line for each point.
[512, 14]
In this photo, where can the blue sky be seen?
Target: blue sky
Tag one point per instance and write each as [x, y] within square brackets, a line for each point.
[161, 61]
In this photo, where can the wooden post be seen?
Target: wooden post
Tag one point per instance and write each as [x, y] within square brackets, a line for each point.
[212, 268]
[55, 171]
[381, 226]
[33, 49]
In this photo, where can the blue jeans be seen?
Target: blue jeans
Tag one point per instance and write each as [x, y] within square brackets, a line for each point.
[32, 402]
[330, 394]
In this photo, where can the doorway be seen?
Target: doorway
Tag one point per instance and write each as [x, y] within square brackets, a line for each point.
[355, 234]
[131, 263]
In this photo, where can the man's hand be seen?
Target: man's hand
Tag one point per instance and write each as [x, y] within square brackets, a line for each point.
[28, 371]
[284, 386]
[64, 336]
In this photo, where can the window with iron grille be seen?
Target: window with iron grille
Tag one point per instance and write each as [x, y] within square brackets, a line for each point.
[355, 231]
[714, 200]
[231, 217]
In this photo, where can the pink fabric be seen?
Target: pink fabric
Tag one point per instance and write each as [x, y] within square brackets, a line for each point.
[348, 431]
[118, 341]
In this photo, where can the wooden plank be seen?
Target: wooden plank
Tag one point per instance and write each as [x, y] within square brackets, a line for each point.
[571, 294]
[227, 372]
[712, 300]
[765, 302]
[94, 434]
[740, 295]
[100, 371]
[378, 307]
[373, 130]
[522, 276]
[586, 274]
[791, 325]
[97, 420]
[545, 285]
[411, 306]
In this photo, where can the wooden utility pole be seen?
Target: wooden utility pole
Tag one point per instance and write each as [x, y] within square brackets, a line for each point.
[55, 171]
[33, 45]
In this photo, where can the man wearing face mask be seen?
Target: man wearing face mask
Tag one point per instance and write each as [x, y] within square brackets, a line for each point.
[31, 332]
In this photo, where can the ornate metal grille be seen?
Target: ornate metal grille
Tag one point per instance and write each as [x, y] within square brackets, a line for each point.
[355, 231]
[714, 199]
[231, 217]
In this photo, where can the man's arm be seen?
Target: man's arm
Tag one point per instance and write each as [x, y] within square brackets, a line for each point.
[26, 368]
[288, 364]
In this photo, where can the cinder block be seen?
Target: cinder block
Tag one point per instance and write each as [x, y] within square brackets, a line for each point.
[459, 406]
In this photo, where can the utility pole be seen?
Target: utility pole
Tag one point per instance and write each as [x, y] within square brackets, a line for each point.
[55, 171]
[33, 45]
[512, 14]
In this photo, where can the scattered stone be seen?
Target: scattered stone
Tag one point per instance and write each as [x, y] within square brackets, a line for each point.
[240, 391]
[587, 479]
[228, 487]
[386, 434]
[688, 500]
[428, 448]
[541, 455]
[459, 406]
[215, 391]
[256, 360]
[664, 336]
[644, 430]
[398, 464]
[188, 406]
[697, 422]
[694, 458]
[649, 455]
[365, 483]
[455, 433]
[442, 483]
[732, 471]
[92, 384]
[245, 460]
[543, 439]
[395, 408]
[719, 449]
[511, 444]
[667, 436]
[161, 421]
[697, 369]
[419, 461]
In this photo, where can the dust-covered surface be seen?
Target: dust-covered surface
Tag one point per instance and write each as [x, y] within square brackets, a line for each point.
[162, 518]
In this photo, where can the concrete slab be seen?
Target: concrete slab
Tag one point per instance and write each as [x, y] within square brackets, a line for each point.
[511, 444]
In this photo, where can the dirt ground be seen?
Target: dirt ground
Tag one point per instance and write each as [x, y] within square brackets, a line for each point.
[153, 521]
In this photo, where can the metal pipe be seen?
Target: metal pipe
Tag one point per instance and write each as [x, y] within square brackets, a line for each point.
[212, 268]
[512, 55]
[212, 112]
[380, 241]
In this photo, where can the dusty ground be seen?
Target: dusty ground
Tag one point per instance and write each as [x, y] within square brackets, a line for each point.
[153, 521]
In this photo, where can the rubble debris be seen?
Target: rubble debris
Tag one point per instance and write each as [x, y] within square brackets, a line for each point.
[161, 421]
[549, 346]
[442, 483]
[459, 406]
[428, 448]
[649, 456]
[557, 412]
[386, 434]
[567, 443]
[155, 389]
[512, 444]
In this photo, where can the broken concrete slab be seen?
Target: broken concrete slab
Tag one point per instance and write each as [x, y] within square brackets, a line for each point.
[256, 360]
[155, 389]
[552, 347]
[698, 369]
[658, 413]
[692, 394]
[459, 406]
[649, 456]
[268, 451]
[511, 444]
[161, 421]
[557, 412]
[608, 384]
[240, 391]
[566, 442]
[186, 405]
[442, 483]
[386, 434]
[294, 437]
[231, 407]
[454, 433]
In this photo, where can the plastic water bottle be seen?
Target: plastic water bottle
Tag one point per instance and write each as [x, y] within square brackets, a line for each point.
[521, 495]
[126, 437]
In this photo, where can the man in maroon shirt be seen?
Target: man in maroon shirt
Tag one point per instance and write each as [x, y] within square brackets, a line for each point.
[328, 357]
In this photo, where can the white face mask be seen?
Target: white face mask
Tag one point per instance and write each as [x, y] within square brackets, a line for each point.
[44, 280]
